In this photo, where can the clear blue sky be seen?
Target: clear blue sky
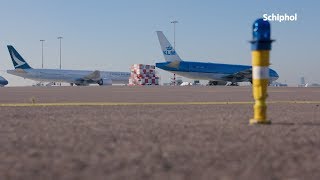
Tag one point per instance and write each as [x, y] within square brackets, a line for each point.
[113, 34]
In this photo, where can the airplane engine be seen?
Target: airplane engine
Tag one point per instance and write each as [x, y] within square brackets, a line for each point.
[105, 82]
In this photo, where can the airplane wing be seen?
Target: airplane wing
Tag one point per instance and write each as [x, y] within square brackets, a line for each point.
[241, 75]
[94, 76]
[90, 78]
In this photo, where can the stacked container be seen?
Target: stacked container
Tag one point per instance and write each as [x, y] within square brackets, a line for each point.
[142, 74]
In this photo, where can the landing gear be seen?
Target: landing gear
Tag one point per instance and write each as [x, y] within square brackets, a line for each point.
[232, 84]
[212, 83]
[100, 82]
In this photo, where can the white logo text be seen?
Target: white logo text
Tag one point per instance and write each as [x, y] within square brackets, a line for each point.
[280, 17]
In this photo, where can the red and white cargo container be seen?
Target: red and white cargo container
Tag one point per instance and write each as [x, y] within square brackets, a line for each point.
[143, 74]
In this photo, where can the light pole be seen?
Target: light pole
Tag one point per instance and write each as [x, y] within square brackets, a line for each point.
[60, 37]
[174, 33]
[60, 49]
[174, 46]
[42, 52]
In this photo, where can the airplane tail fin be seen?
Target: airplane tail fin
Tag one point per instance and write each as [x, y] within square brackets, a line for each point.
[168, 51]
[17, 59]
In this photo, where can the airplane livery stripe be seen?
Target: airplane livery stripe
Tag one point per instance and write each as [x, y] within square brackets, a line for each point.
[260, 72]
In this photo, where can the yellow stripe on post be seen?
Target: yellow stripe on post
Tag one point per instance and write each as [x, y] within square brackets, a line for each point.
[260, 58]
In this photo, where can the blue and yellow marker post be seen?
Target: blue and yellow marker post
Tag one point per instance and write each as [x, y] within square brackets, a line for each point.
[260, 47]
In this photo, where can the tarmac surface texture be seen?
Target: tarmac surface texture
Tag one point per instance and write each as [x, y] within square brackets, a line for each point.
[169, 139]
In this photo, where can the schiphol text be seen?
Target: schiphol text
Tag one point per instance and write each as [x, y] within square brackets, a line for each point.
[280, 17]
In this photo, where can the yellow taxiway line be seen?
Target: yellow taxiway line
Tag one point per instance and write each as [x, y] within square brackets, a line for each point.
[148, 103]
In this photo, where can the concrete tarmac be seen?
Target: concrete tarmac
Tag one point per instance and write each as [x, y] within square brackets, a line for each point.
[166, 133]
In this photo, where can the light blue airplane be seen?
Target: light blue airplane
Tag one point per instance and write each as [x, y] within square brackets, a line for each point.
[3, 81]
[213, 72]
[77, 77]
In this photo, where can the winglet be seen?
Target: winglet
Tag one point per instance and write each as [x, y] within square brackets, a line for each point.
[17, 59]
[168, 51]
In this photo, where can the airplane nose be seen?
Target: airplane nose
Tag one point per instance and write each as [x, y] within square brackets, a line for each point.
[276, 75]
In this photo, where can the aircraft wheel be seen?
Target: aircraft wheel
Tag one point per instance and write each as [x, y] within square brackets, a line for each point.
[100, 82]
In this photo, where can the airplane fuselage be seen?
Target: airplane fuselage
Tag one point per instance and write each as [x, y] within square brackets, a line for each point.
[68, 76]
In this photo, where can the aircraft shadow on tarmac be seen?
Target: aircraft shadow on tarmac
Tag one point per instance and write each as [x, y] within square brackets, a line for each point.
[290, 124]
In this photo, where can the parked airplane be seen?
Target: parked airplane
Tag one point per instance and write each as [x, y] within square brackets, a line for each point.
[213, 72]
[77, 77]
[3, 81]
